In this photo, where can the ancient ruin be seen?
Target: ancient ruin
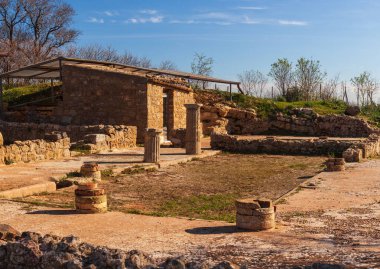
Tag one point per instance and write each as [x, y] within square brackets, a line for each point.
[122, 140]
[152, 146]
[255, 214]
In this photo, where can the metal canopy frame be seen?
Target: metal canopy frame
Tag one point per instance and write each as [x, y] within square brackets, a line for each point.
[52, 70]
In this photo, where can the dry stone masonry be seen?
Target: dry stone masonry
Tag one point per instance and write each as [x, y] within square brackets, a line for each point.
[255, 214]
[370, 147]
[32, 250]
[102, 136]
[335, 165]
[90, 199]
[302, 121]
[55, 146]
[91, 170]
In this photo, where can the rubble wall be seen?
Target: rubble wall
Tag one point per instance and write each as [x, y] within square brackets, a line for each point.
[118, 136]
[277, 145]
[299, 122]
[53, 147]
[95, 96]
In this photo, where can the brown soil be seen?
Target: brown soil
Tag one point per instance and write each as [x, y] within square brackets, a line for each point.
[204, 188]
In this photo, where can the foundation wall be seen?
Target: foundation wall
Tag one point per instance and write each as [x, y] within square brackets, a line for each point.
[118, 136]
[299, 122]
[95, 96]
[370, 146]
[36, 150]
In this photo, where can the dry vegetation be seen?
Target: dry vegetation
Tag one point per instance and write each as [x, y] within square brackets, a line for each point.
[204, 188]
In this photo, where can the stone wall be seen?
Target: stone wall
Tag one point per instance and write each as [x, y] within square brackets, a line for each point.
[236, 121]
[33, 250]
[313, 146]
[97, 96]
[178, 110]
[118, 136]
[55, 146]
[155, 95]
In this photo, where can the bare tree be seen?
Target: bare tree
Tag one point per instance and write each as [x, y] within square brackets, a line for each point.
[48, 28]
[329, 89]
[253, 82]
[365, 86]
[308, 77]
[202, 65]
[34, 30]
[282, 74]
[93, 52]
[168, 65]
[108, 54]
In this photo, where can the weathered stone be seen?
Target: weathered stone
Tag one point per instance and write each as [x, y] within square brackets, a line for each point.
[91, 170]
[353, 155]
[8, 232]
[152, 146]
[352, 111]
[255, 214]
[193, 129]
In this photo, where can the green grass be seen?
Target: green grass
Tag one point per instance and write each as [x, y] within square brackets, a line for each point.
[268, 107]
[298, 166]
[25, 94]
[106, 172]
[210, 207]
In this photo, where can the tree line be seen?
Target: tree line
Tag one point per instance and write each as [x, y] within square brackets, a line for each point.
[306, 81]
[35, 30]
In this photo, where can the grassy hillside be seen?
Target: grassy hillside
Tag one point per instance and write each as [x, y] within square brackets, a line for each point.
[30, 93]
[267, 107]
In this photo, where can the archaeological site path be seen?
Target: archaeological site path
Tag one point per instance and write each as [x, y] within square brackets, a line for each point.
[335, 219]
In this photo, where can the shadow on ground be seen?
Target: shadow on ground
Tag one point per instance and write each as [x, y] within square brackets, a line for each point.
[214, 230]
[55, 212]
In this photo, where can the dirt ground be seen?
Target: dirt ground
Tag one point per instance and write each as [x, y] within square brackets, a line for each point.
[335, 222]
[201, 189]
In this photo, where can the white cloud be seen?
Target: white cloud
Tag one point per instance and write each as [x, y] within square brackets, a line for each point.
[293, 23]
[252, 8]
[154, 19]
[95, 20]
[149, 11]
[111, 13]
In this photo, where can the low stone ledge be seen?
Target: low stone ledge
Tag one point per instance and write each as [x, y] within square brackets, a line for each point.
[29, 190]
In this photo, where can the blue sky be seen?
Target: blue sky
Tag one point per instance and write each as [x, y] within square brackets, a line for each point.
[239, 34]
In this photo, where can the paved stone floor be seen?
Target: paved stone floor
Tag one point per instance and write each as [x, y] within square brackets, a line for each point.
[22, 175]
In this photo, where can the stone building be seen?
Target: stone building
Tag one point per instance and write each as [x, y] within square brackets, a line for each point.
[94, 93]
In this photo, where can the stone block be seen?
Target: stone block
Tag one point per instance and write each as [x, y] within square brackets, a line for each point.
[255, 214]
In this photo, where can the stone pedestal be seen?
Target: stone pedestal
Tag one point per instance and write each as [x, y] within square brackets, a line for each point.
[255, 214]
[335, 165]
[193, 129]
[91, 170]
[89, 199]
[152, 146]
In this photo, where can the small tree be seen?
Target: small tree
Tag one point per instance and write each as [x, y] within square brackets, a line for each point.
[168, 65]
[282, 74]
[308, 77]
[329, 89]
[365, 86]
[253, 82]
[202, 65]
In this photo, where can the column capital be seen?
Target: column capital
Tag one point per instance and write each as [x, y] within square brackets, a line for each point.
[152, 131]
[193, 106]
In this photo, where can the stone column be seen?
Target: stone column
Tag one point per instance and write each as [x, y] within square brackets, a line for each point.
[193, 129]
[152, 146]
